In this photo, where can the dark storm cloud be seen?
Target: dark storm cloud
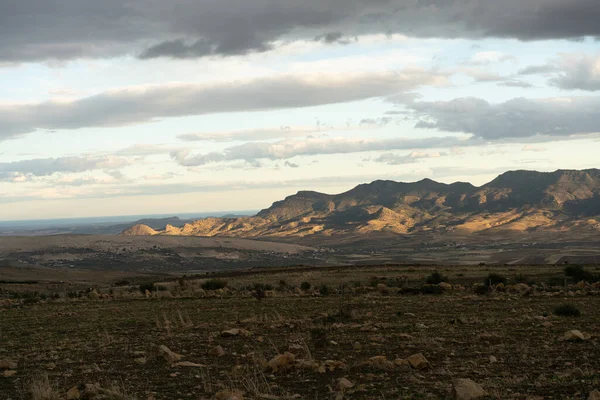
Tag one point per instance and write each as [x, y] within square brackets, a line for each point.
[33, 30]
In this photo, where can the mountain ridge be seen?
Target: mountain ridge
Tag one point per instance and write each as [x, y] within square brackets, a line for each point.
[519, 201]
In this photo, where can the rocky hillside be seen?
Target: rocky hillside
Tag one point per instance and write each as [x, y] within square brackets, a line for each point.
[522, 201]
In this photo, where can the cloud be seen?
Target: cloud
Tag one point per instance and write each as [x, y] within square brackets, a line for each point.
[516, 84]
[578, 71]
[516, 118]
[141, 104]
[286, 149]
[538, 69]
[291, 164]
[21, 170]
[44, 30]
[537, 149]
[489, 57]
[253, 134]
[412, 157]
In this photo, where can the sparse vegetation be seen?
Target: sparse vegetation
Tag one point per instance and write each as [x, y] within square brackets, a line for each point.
[494, 279]
[567, 310]
[305, 286]
[214, 284]
[150, 286]
[436, 278]
[578, 273]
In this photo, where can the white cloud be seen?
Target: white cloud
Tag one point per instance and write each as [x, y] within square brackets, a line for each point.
[135, 105]
[412, 157]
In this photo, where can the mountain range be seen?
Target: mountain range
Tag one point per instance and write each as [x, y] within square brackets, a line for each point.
[516, 201]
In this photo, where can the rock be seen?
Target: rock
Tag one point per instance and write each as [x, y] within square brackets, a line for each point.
[236, 332]
[418, 362]
[466, 389]
[344, 384]
[229, 395]
[380, 362]
[8, 364]
[50, 366]
[140, 360]
[357, 346]
[575, 336]
[493, 359]
[8, 373]
[217, 351]
[281, 362]
[594, 395]
[383, 289]
[445, 286]
[73, 394]
[188, 364]
[169, 356]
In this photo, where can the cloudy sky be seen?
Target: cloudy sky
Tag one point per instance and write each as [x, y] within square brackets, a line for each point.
[120, 107]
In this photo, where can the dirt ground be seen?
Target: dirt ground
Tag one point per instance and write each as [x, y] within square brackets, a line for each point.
[510, 344]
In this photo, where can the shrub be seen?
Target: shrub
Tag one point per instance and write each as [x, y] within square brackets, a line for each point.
[431, 289]
[122, 282]
[374, 281]
[260, 287]
[214, 284]
[567, 310]
[494, 279]
[578, 273]
[436, 278]
[151, 287]
[305, 286]
[324, 290]
[481, 290]
[556, 281]
[520, 278]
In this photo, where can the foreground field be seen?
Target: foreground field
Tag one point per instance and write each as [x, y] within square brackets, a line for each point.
[509, 344]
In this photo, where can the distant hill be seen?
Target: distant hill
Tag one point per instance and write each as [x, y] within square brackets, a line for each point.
[516, 201]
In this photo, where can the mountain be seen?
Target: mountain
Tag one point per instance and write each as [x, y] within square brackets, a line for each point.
[516, 201]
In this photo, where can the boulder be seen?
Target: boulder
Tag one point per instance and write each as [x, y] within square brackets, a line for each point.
[344, 384]
[8, 373]
[229, 395]
[168, 355]
[445, 286]
[418, 362]
[281, 362]
[217, 351]
[594, 395]
[73, 394]
[236, 332]
[380, 362]
[466, 389]
[8, 364]
[574, 336]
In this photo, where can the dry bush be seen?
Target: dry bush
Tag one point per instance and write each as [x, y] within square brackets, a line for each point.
[41, 389]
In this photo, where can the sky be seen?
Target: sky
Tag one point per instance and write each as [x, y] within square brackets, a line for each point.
[151, 107]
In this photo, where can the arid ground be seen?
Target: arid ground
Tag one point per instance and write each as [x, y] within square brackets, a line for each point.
[356, 333]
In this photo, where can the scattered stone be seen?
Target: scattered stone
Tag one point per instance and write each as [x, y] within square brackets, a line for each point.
[575, 336]
[169, 356]
[189, 364]
[140, 360]
[493, 359]
[281, 362]
[50, 366]
[380, 362]
[229, 395]
[236, 332]
[217, 351]
[8, 373]
[466, 389]
[344, 384]
[8, 364]
[73, 394]
[418, 362]
[594, 395]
